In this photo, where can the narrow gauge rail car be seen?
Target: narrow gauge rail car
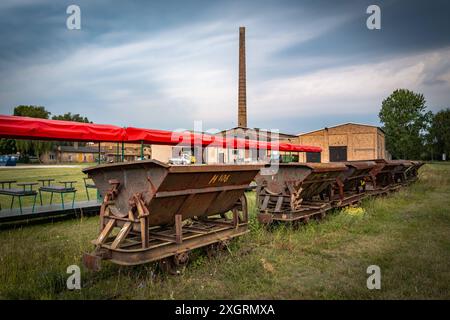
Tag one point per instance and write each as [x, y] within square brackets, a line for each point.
[350, 186]
[161, 212]
[413, 174]
[297, 191]
[382, 179]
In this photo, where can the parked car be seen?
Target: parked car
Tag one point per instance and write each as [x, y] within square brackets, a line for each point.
[9, 161]
[185, 158]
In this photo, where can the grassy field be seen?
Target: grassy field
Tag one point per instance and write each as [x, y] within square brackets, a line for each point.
[32, 174]
[407, 234]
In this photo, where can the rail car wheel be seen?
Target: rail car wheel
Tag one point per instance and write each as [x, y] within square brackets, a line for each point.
[319, 215]
[174, 265]
[296, 224]
[215, 249]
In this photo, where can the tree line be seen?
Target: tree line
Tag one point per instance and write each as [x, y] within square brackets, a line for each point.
[412, 132]
[35, 148]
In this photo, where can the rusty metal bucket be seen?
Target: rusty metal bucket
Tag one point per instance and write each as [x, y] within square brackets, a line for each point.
[350, 187]
[297, 191]
[401, 171]
[383, 177]
[149, 200]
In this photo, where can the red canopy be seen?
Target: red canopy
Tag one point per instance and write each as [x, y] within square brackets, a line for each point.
[151, 136]
[43, 129]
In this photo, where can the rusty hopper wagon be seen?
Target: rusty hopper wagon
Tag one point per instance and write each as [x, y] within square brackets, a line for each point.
[161, 212]
[297, 191]
[350, 187]
[412, 174]
[382, 177]
[401, 172]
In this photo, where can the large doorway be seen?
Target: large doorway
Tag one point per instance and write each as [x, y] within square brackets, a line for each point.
[338, 154]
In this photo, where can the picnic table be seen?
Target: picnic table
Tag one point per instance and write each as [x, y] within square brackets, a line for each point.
[67, 182]
[27, 184]
[68, 188]
[19, 193]
[44, 181]
[9, 182]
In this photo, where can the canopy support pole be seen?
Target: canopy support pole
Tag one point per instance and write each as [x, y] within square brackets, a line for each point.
[142, 150]
[99, 153]
[123, 151]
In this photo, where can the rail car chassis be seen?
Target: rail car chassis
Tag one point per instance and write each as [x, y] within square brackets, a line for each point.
[137, 243]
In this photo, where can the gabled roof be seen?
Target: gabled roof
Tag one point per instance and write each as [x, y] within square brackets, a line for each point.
[255, 130]
[79, 149]
[341, 125]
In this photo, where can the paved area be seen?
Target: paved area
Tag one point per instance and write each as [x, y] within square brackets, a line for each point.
[46, 210]
[43, 166]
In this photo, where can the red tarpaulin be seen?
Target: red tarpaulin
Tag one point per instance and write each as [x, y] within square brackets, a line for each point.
[43, 129]
[151, 136]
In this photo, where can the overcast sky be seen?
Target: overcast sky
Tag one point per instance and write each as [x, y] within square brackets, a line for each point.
[164, 64]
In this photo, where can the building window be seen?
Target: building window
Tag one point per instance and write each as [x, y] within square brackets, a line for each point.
[286, 158]
[338, 154]
[51, 156]
[313, 157]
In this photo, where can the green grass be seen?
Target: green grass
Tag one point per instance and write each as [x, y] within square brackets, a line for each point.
[407, 234]
[32, 174]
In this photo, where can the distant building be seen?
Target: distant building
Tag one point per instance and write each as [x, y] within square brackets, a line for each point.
[345, 142]
[109, 152]
[230, 155]
[70, 154]
[131, 152]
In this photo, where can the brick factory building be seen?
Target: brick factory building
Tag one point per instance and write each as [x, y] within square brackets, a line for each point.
[345, 142]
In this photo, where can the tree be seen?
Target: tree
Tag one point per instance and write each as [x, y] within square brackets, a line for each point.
[405, 122]
[31, 111]
[71, 117]
[27, 146]
[7, 146]
[440, 132]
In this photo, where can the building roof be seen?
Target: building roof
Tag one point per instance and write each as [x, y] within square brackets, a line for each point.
[256, 130]
[78, 149]
[340, 125]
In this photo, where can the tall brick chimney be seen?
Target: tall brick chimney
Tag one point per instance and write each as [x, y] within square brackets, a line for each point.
[242, 94]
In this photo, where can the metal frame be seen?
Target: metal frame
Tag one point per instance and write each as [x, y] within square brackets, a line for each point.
[61, 192]
[89, 186]
[20, 201]
[300, 191]
[137, 243]
[350, 187]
